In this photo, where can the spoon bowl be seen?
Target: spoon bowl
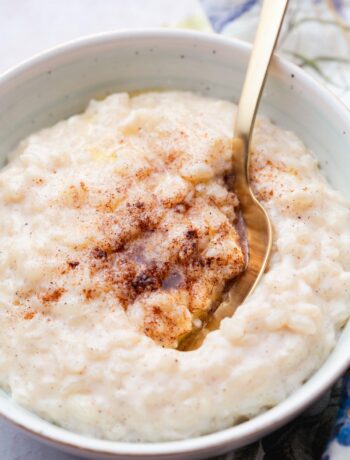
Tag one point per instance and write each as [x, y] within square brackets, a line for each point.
[256, 234]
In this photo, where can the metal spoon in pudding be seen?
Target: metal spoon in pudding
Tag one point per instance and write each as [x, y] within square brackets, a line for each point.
[258, 228]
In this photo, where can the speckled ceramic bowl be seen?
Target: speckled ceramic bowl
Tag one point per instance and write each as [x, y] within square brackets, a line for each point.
[54, 85]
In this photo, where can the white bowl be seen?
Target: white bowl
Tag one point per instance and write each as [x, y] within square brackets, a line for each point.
[56, 84]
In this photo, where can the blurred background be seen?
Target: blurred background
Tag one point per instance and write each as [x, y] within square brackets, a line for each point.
[316, 33]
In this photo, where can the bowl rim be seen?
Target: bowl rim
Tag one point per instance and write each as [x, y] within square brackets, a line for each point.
[239, 434]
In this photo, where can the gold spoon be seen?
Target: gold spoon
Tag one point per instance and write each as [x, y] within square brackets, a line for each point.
[257, 222]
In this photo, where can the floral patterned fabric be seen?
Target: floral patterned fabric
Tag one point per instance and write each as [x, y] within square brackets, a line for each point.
[316, 36]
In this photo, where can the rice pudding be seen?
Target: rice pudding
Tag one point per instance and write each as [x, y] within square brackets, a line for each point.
[119, 235]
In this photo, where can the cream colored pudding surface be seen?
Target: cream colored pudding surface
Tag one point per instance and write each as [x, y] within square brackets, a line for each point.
[118, 234]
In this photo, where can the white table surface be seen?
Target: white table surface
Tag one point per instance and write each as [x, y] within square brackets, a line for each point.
[30, 26]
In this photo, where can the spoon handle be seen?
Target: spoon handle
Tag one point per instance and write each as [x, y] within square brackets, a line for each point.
[271, 18]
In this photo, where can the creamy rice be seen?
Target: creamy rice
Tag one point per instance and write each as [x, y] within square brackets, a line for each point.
[118, 234]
